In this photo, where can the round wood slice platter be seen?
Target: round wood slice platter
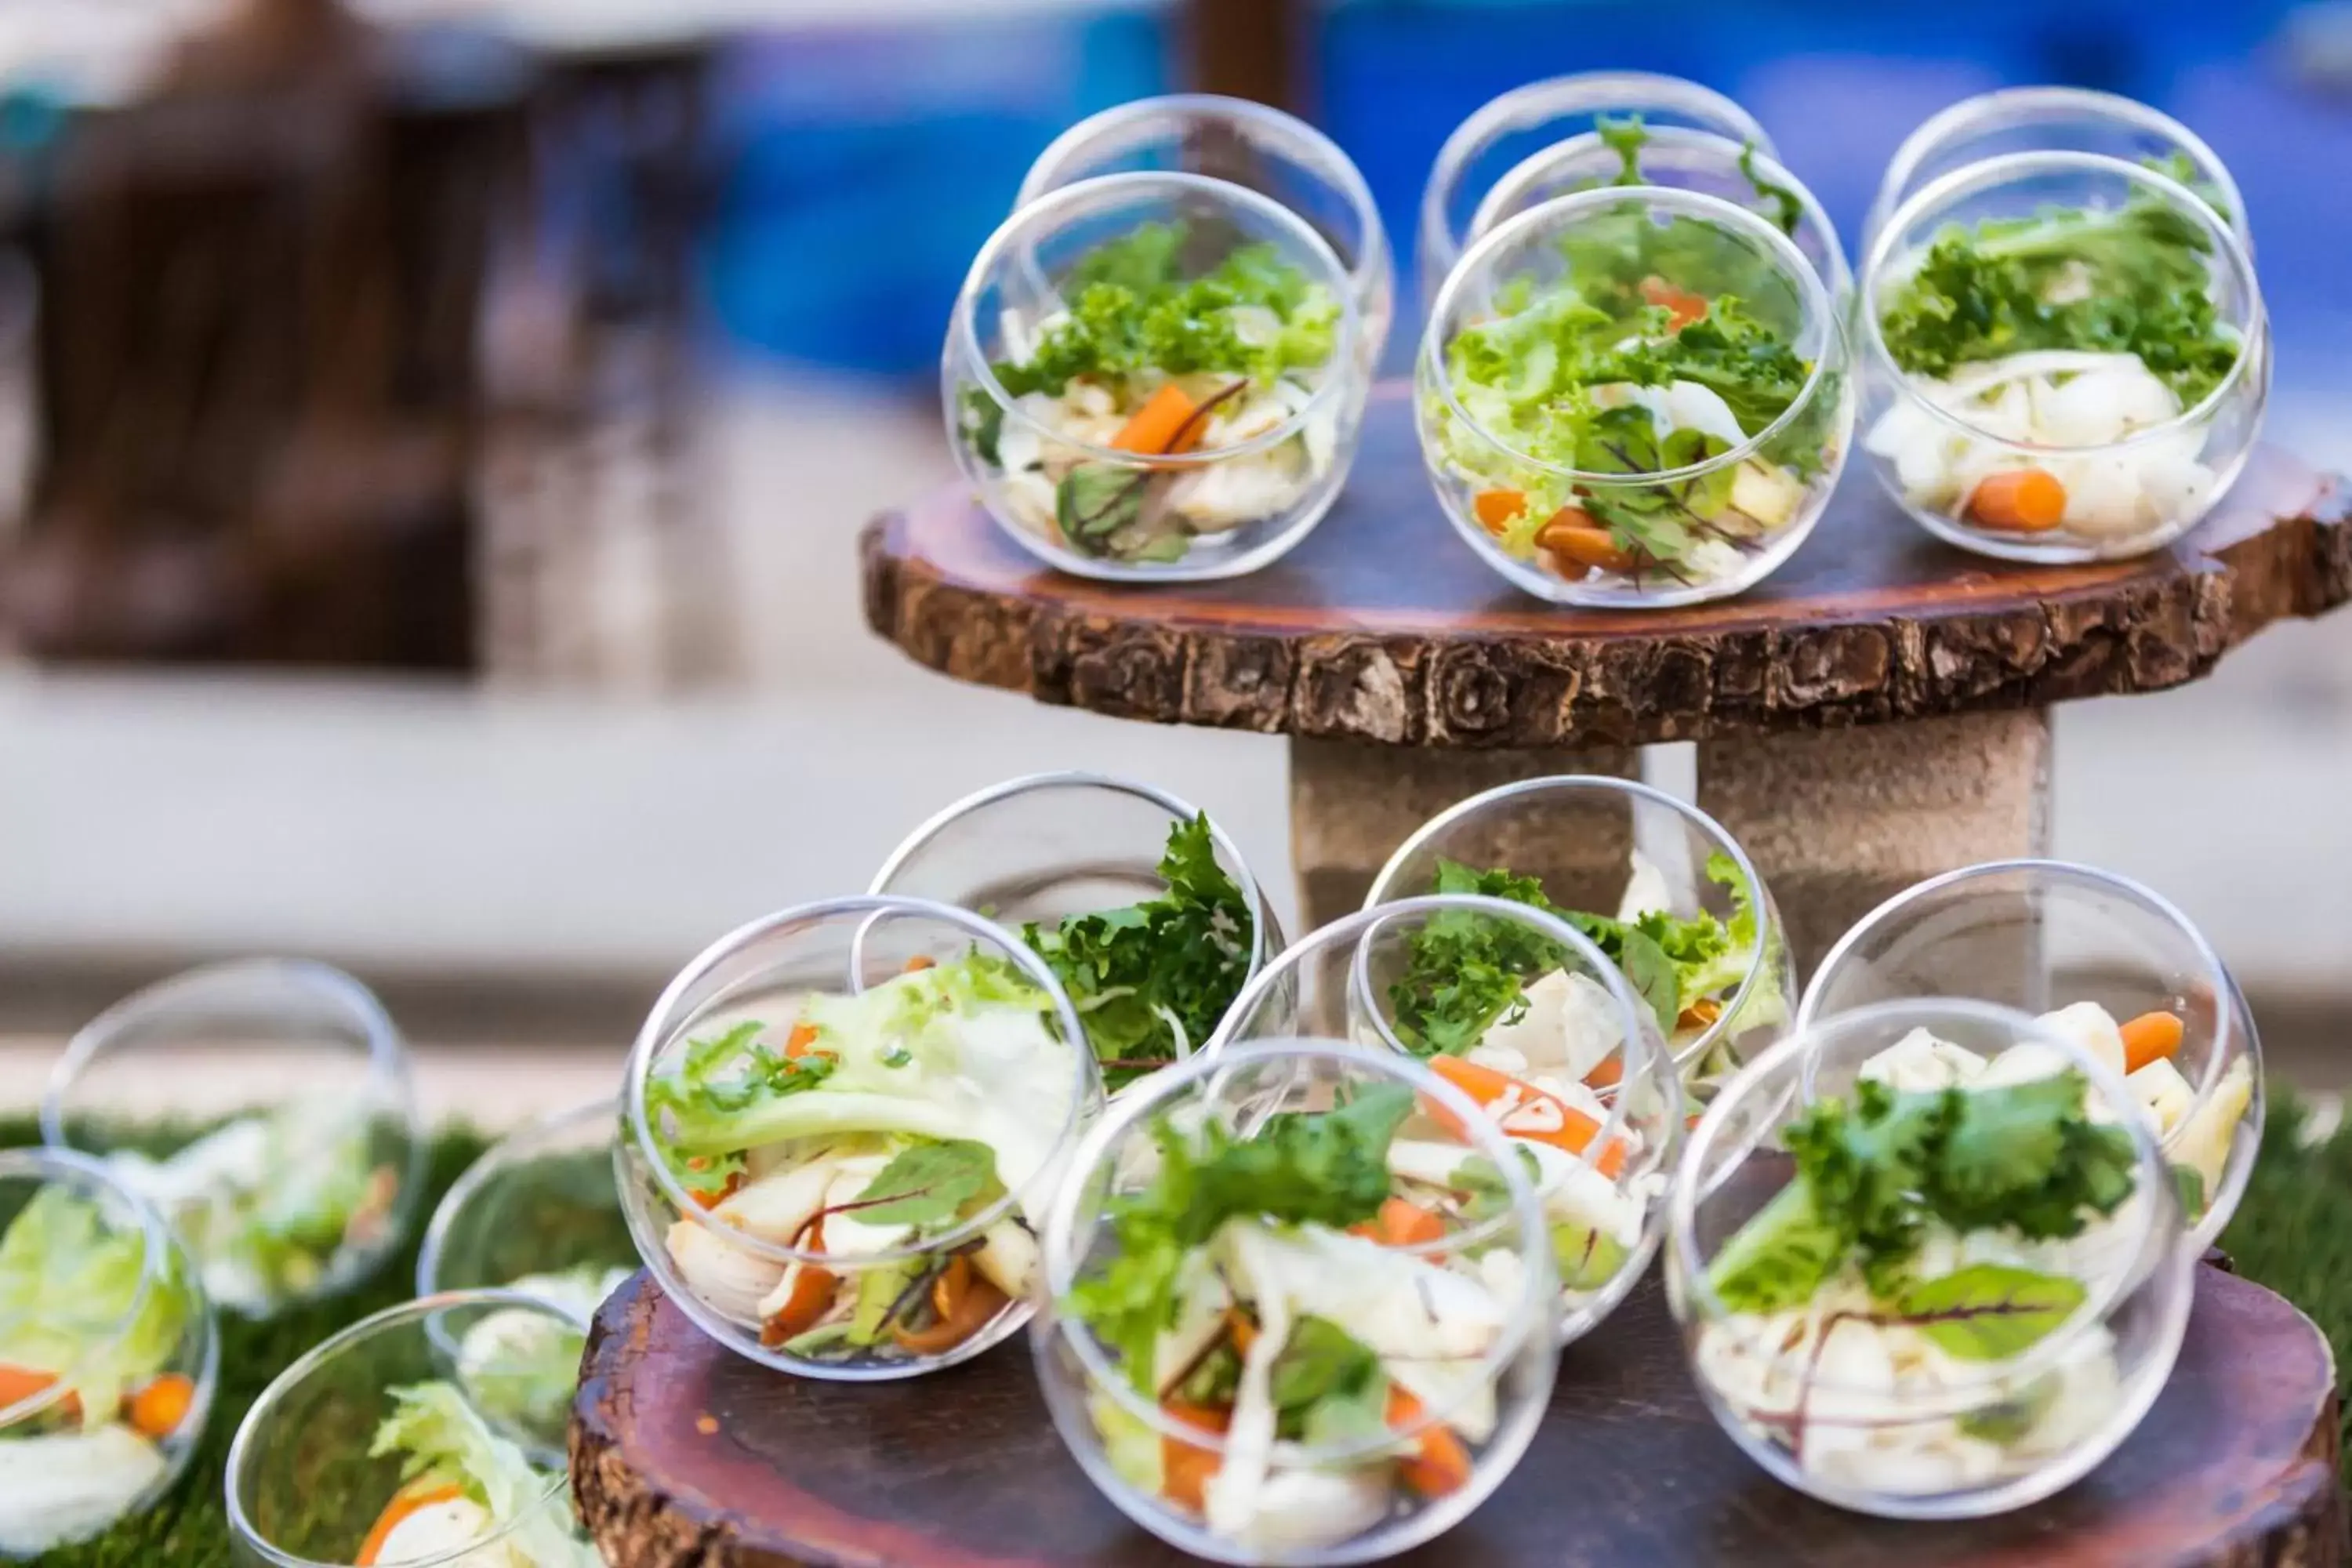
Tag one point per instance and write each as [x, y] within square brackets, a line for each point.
[685, 1456]
[1383, 626]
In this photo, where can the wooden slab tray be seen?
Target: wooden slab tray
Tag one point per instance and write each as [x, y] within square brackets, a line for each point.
[685, 1456]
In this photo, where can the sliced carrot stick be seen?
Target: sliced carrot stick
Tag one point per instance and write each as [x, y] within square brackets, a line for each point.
[1497, 508]
[415, 1495]
[708, 1201]
[1184, 1468]
[1523, 1111]
[1240, 1330]
[920, 962]
[2151, 1037]
[801, 1041]
[965, 1303]
[1700, 1014]
[1404, 1223]
[812, 1289]
[19, 1384]
[1572, 535]
[1439, 1463]
[1608, 1075]
[1683, 307]
[2019, 500]
[158, 1408]
[1164, 424]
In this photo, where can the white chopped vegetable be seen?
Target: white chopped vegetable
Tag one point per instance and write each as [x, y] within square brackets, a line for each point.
[422, 1535]
[1301, 1509]
[1570, 1024]
[68, 1484]
[731, 1279]
[2091, 1027]
[1920, 1063]
[1645, 890]
[2166, 1094]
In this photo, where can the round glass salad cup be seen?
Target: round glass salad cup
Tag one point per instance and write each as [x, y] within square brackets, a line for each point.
[537, 1213]
[1577, 834]
[302, 1168]
[2054, 120]
[1047, 847]
[1679, 158]
[2044, 935]
[93, 1441]
[2103, 1362]
[1510, 129]
[1101, 1413]
[760, 973]
[2151, 485]
[306, 1487]
[1604, 1195]
[1185, 515]
[1248, 144]
[1784, 472]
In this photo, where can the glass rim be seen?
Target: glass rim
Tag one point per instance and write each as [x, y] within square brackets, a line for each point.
[421, 1310]
[1812, 297]
[1532, 104]
[1634, 789]
[1178, 808]
[1987, 174]
[1533, 1313]
[662, 1025]
[1044, 170]
[1335, 374]
[1792, 1055]
[521, 1142]
[43, 1164]
[2045, 105]
[2215, 973]
[1537, 165]
[1361, 925]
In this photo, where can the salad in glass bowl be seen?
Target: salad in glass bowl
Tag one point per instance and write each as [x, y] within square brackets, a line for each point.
[1516, 130]
[1690, 923]
[2062, 361]
[1248, 1352]
[1633, 397]
[841, 1124]
[107, 1355]
[1933, 1303]
[381, 1446]
[1244, 143]
[305, 1175]
[1519, 1010]
[1142, 905]
[1155, 376]
[2110, 966]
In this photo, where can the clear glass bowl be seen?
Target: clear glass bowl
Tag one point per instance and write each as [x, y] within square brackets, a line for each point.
[1994, 1369]
[111, 1348]
[1051, 846]
[1333, 1492]
[1718, 516]
[1682, 159]
[478, 1383]
[2046, 935]
[767, 1261]
[538, 1213]
[2091, 457]
[1088, 476]
[1569, 1064]
[299, 1167]
[1507, 131]
[1249, 144]
[1613, 848]
[2054, 120]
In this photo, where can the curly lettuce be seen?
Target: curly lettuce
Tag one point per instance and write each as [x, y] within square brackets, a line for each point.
[70, 1278]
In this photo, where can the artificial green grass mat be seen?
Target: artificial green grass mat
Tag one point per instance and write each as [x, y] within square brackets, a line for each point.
[2292, 1233]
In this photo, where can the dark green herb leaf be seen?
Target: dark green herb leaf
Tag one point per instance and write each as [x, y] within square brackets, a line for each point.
[928, 1182]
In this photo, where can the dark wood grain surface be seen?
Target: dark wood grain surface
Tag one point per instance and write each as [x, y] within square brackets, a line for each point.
[685, 1456]
[1383, 626]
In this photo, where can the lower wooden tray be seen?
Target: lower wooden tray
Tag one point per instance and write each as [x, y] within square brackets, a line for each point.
[685, 1456]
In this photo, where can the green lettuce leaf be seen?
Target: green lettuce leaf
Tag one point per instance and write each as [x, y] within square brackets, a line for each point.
[68, 1276]
[441, 1437]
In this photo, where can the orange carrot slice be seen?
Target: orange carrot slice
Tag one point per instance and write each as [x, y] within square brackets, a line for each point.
[19, 1384]
[1440, 1464]
[1608, 1075]
[2151, 1037]
[1681, 306]
[158, 1408]
[1497, 508]
[1164, 424]
[1404, 1223]
[1572, 535]
[1523, 1111]
[812, 1289]
[1240, 1330]
[1184, 1468]
[2019, 500]
[409, 1500]
[801, 1041]
[965, 1303]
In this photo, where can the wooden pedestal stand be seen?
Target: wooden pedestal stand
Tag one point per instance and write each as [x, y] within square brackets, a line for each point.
[1874, 713]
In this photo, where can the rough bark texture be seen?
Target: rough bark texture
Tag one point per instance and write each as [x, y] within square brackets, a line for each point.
[1383, 627]
[683, 1456]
